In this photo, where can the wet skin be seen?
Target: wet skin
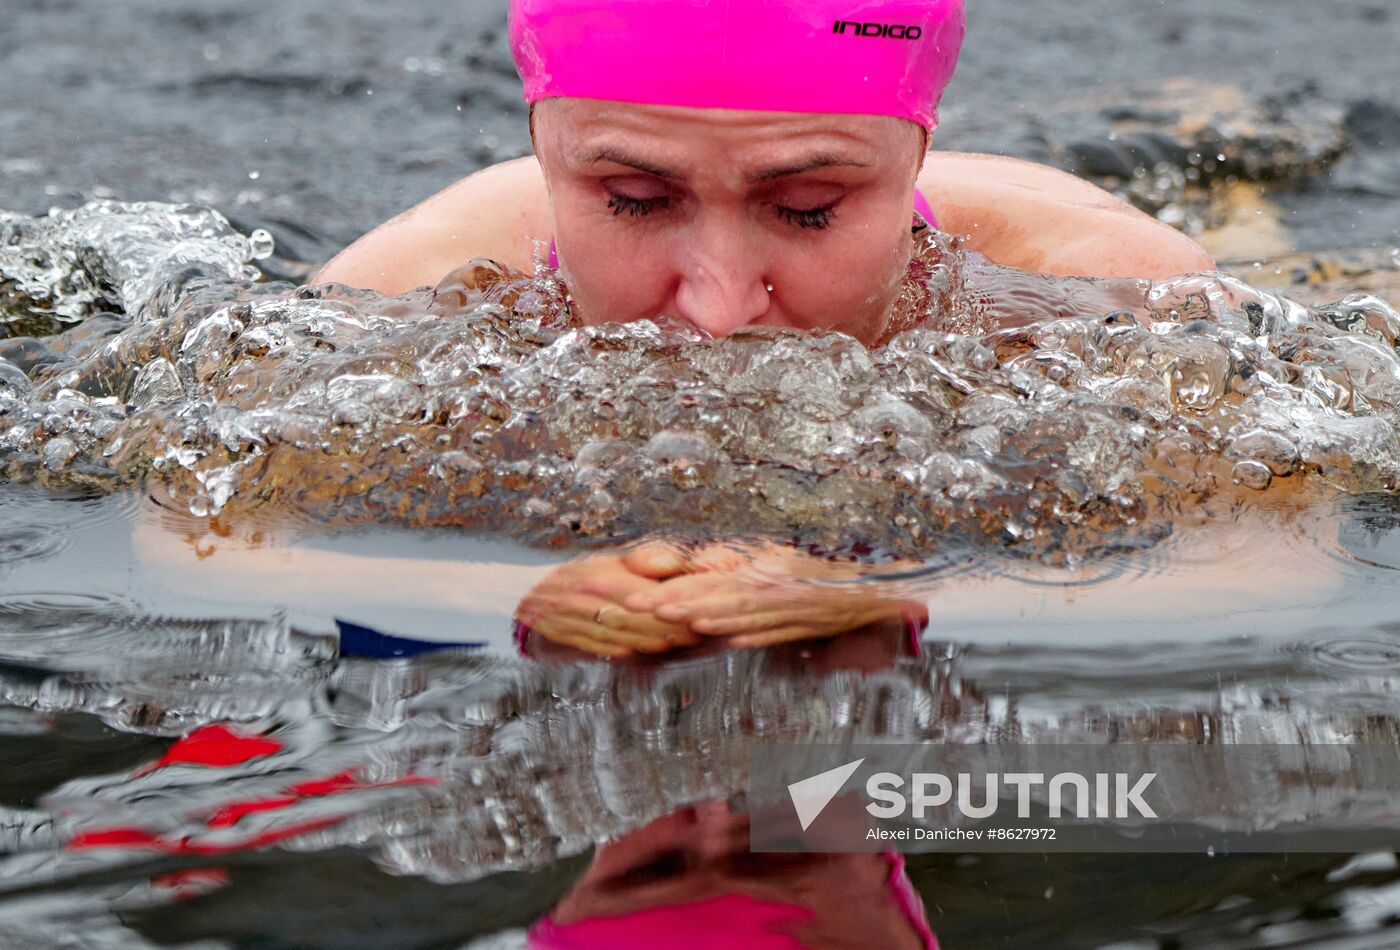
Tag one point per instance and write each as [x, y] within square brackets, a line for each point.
[661, 597]
[730, 219]
[707, 207]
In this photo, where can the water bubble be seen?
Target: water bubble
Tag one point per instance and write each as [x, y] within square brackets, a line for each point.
[157, 380]
[58, 453]
[678, 448]
[261, 245]
[1272, 450]
[1252, 474]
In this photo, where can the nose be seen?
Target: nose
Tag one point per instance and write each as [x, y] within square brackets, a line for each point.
[722, 284]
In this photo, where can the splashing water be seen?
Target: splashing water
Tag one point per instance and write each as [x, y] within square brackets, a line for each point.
[1057, 415]
[62, 269]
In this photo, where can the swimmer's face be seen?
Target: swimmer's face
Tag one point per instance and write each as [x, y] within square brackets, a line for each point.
[694, 213]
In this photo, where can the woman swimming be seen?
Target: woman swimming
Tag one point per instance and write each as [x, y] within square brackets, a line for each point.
[757, 163]
[731, 165]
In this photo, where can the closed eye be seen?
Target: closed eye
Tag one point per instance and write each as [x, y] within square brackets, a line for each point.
[817, 219]
[637, 207]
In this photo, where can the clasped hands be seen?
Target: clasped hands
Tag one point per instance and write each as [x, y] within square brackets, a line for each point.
[660, 597]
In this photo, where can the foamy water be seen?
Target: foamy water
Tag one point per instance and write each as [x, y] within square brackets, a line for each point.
[1057, 416]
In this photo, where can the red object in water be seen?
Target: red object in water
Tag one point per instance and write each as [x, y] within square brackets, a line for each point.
[313, 788]
[189, 845]
[232, 814]
[215, 746]
[220, 747]
[117, 838]
[191, 882]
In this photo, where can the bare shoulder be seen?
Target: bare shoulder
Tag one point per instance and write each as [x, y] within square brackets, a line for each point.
[1039, 218]
[498, 212]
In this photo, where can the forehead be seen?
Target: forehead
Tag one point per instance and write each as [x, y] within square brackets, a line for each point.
[577, 129]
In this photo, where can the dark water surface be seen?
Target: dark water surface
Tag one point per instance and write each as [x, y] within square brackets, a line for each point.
[1158, 513]
[318, 121]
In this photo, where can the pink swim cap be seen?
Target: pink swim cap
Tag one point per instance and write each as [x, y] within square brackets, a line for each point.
[864, 57]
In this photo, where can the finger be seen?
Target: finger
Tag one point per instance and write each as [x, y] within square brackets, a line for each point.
[617, 586]
[762, 621]
[822, 616]
[587, 613]
[781, 635]
[617, 617]
[574, 626]
[653, 630]
[594, 646]
[734, 606]
[722, 557]
[656, 560]
[646, 625]
[675, 591]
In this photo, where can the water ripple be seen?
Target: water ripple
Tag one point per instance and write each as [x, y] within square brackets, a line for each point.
[1352, 654]
[1370, 534]
[22, 543]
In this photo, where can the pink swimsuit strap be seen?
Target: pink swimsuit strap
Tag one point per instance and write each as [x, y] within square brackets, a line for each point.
[923, 212]
[923, 209]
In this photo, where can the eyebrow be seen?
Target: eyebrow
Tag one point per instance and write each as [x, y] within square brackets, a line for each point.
[824, 160]
[821, 160]
[619, 157]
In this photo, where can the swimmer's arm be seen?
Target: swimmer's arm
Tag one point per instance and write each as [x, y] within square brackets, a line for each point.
[1036, 218]
[500, 212]
[240, 569]
[559, 602]
[761, 594]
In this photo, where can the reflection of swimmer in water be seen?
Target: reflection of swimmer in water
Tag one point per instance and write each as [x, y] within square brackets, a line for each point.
[737, 171]
[689, 880]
